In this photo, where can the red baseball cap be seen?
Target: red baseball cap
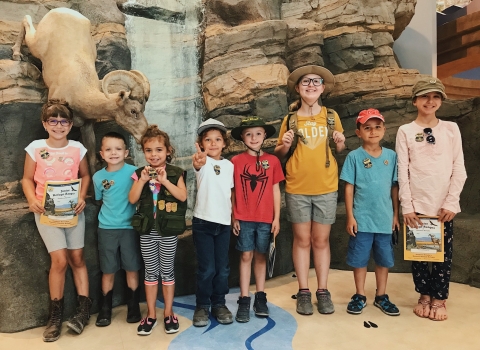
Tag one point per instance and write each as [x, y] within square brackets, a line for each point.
[367, 114]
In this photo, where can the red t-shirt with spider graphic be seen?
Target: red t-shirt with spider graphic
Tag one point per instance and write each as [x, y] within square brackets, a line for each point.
[254, 186]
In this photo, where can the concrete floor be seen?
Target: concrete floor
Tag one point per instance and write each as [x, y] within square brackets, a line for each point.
[337, 331]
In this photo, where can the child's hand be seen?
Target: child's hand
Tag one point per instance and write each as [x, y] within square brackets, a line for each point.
[412, 220]
[162, 175]
[352, 226]
[36, 207]
[200, 158]
[235, 226]
[287, 138]
[80, 206]
[446, 215]
[396, 223]
[144, 176]
[275, 227]
[338, 137]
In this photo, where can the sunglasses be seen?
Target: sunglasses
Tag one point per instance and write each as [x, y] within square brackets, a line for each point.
[430, 138]
[54, 122]
[315, 81]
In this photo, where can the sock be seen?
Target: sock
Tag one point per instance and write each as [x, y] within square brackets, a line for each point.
[304, 290]
[322, 290]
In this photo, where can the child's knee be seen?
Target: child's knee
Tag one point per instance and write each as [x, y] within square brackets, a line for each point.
[246, 257]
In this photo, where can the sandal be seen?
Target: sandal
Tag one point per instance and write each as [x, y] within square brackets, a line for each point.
[434, 307]
[424, 303]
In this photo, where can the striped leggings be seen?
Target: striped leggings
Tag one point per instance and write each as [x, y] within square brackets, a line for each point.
[159, 256]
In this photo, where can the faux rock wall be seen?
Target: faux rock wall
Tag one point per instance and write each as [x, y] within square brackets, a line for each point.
[225, 59]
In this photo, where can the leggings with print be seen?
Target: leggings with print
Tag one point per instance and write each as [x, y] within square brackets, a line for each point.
[436, 282]
[159, 256]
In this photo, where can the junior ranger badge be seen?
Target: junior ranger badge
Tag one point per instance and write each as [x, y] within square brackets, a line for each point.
[419, 137]
[367, 163]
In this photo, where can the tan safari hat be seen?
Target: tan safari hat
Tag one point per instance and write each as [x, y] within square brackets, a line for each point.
[328, 78]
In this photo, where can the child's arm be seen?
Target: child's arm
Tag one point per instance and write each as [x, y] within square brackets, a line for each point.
[136, 190]
[396, 204]
[405, 195]
[179, 190]
[457, 180]
[85, 176]
[276, 209]
[283, 147]
[235, 222]
[351, 222]
[199, 159]
[28, 185]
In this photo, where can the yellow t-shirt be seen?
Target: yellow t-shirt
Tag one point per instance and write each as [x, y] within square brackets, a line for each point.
[306, 171]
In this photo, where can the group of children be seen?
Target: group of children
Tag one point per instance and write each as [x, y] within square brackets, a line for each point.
[243, 195]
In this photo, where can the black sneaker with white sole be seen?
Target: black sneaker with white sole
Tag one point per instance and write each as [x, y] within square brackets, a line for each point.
[146, 326]
[171, 324]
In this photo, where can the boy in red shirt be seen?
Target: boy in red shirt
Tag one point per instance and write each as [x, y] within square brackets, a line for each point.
[256, 210]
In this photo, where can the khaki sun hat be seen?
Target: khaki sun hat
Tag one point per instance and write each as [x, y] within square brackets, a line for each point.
[426, 85]
[211, 124]
[252, 122]
[328, 78]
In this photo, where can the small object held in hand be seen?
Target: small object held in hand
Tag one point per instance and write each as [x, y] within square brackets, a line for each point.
[365, 324]
[395, 236]
[152, 173]
[374, 325]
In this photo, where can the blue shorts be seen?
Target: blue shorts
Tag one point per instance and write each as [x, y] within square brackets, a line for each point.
[254, 236]
[359, 249]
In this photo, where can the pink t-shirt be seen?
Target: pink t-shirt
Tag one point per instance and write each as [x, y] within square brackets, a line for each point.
[430, 176]
[54, 164]
[254, 188]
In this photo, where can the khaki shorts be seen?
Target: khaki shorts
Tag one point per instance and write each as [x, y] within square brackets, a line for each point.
[56, 238]
[320, 208]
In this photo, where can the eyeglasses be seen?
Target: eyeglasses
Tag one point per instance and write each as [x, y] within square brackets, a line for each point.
[430, 138]
[315, 81]
[54, 122]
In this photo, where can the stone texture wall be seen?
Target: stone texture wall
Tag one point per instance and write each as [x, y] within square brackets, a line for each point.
[225, 59]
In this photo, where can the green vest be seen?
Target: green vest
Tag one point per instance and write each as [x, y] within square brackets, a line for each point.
[170, 219]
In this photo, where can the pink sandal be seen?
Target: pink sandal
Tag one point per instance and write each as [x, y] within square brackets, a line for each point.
[434, 307]
[424, 303]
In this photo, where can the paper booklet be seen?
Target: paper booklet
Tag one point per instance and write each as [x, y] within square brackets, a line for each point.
[426, 242]
[59, 201]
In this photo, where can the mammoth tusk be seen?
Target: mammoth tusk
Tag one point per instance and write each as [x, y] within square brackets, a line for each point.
[133, 82]
[146, 83]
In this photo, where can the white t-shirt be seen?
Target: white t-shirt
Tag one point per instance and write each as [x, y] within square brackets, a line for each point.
[214, 184]
[54, 164]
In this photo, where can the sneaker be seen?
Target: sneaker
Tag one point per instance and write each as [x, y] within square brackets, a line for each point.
[200, 317]
[222, 314]
[325, 305]
[171, 324]
[384, 304]
[260, 304]
[146, 326]
[357, 304]
[243, 311]
[304, 303]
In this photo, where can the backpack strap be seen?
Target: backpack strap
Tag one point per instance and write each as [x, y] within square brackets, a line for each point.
[330, 130]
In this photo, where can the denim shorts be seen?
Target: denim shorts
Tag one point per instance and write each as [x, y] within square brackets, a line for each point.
[254, 236]
[359, 248]
[320, 208]
[118, 248]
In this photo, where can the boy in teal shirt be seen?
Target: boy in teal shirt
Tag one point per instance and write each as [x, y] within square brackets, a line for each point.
[371, 200]
[118, 243]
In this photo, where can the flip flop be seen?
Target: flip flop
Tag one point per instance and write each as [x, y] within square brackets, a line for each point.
[374, 325]
[434, 307]
[424, 303]
[366, 325]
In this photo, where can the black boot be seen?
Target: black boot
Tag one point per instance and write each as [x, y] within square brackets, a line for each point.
[133, 299]
[104, 317]
[82, 315]
[54, 324]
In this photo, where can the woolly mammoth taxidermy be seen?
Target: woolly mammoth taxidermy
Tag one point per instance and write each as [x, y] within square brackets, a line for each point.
[64, 44]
